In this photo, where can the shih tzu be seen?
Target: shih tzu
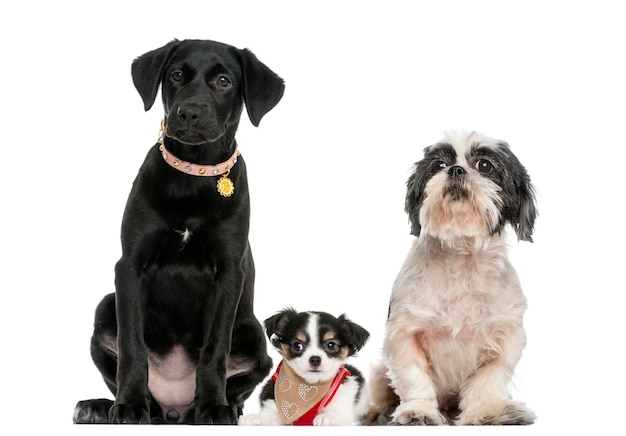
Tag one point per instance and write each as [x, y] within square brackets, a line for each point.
[454, 332]
[312, 384]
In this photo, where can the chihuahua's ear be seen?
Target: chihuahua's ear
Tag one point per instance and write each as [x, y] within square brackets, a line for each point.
[357, 336]
[275, 325]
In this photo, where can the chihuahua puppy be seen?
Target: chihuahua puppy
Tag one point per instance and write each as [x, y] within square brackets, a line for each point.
[312, 384]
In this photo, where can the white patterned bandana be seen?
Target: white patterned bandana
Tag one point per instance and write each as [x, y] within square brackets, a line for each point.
[295, 397]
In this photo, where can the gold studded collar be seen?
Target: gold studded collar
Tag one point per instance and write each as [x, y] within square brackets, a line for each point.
[225, 186]
[196, 169]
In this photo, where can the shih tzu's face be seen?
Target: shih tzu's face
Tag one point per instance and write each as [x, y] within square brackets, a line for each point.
[470, 185]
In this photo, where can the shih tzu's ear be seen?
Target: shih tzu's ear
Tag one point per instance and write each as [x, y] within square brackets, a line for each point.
[276, 324]
[415, 193]
[519, 196]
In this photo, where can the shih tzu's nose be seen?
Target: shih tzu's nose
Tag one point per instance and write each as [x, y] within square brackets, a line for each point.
[456, 172]
[315, 361]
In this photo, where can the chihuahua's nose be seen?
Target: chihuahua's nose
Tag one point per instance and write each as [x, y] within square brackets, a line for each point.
[315, 361]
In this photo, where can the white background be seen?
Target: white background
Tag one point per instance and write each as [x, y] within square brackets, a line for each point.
[369, 85]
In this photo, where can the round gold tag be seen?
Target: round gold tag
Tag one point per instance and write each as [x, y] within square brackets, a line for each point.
[225, 186]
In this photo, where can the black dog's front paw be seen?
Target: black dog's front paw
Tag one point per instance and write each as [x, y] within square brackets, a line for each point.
[217, 415]
[127, 414]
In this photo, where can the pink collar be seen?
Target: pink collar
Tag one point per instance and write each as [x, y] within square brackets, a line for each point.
[199, 170]
[195, 169]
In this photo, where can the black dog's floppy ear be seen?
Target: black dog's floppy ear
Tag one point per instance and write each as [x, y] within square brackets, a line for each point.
[147, 72]
[519, 193]
[356, 334]
[275, 325]
[262, 88]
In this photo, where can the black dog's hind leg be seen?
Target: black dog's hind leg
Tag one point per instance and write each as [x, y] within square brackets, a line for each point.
[104, 355]
[103, 344]
[239, 387]
[248, 337]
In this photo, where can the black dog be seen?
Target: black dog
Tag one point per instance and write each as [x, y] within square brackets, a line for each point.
[178, 341]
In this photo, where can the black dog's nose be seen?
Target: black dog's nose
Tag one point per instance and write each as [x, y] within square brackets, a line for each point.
[315, 361]
[190, 113]
[456, 171]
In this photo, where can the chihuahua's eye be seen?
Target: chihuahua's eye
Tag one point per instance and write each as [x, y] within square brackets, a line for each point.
[224, 82]
[332, 347]
[298, 347]
[177, 76]
[483, 166]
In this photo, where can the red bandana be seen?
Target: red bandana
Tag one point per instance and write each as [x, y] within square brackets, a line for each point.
[297, 400]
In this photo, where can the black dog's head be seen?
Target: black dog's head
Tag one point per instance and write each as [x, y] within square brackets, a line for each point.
[204, 85]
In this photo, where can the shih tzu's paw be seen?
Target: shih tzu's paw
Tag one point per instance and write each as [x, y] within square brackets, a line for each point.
[418, 412]
[509, 413]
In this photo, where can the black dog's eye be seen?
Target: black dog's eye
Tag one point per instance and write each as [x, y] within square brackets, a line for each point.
[332, 347]
[298, 347]
[483, 166]
[224, 82]
[177, 76]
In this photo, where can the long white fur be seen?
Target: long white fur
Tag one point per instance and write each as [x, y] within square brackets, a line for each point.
[455, 325]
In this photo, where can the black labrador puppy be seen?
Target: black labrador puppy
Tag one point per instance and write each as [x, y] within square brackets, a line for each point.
[178, 340]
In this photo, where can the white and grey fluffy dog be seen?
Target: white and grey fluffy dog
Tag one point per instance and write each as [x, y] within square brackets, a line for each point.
[454, 332]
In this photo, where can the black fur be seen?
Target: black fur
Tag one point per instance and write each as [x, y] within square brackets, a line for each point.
[195, 295]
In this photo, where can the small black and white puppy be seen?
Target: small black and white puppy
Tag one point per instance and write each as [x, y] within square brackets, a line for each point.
[312, 384]
[454, 331]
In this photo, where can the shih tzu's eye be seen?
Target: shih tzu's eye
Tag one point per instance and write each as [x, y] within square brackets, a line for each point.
[298, 347]
[332, 347]
[439, 165]
[484, 166]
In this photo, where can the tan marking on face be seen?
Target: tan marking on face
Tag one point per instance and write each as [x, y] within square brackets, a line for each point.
[344, 353]
[454, 218]
[284, 348]
[445, 217]
[329, 336]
